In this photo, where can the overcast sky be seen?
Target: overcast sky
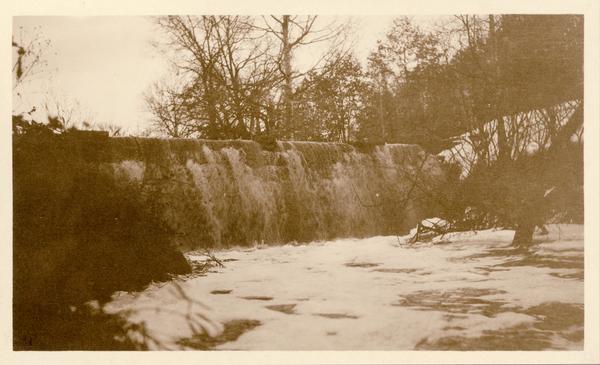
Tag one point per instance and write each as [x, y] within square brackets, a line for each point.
[106, 63]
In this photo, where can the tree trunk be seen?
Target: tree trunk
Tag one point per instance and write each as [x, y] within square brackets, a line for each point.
[524, 234]
[287, 70]
[381, 122]
[503, 152]
[534, 210]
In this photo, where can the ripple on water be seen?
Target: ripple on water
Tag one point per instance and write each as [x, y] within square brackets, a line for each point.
[461, 300]
[257, 297]
[361, 264]
[232, 331]
[283, 308]
[558, 326]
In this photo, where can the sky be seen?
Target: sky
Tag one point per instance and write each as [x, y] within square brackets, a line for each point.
[103, 65]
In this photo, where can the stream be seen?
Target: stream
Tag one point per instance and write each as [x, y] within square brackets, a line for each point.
[464, 291]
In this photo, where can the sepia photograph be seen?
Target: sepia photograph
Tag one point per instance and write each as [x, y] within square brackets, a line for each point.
[325, 182]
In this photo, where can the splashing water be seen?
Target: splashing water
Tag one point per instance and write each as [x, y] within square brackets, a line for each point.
[219, 193]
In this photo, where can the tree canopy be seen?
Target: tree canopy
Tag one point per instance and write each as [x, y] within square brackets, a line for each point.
[423, 83]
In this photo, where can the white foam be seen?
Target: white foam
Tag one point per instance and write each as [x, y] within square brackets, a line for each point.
[361, 281]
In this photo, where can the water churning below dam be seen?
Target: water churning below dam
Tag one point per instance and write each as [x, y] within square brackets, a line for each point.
[222, 193]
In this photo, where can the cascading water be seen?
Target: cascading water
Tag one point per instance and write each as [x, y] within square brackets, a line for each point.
[220, 193]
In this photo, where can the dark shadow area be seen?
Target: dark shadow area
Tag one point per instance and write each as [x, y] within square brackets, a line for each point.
[83, 328]
[555, 321]
[516, 338]
[463, 300]
[563, 262]
[283, 308]
[257, 297]
[361, 264]
[233, 330]
[79, 235]
[221, 292]
[336, 315]
[397, 271]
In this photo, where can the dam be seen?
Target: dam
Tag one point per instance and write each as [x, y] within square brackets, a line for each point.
[224, 193]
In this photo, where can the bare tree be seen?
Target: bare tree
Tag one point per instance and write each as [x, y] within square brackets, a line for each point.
[28, 56]
[292, 32]
[66, 110]
[30, 48]
[169, 114]
[229, 74]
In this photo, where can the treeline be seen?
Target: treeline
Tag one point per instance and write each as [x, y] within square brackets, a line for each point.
[235, 77]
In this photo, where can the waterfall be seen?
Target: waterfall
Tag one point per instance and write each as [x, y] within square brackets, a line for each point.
[222, 193]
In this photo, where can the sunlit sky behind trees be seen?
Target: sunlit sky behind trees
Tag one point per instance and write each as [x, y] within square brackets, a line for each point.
[105, 64]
